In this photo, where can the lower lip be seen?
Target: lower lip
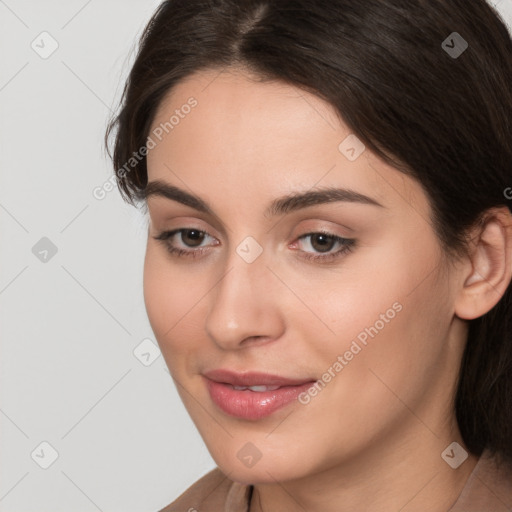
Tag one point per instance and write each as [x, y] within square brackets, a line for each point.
[252, 405]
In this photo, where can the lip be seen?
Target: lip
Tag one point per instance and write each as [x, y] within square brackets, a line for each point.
[252, 405]
[252, 378]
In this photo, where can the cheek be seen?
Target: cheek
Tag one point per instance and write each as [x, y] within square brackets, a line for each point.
[173, 301]
[356, 305]
[156, 288]
[389, 309]
[394, 339]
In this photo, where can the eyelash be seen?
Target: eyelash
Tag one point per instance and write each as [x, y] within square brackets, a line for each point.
[348, 245]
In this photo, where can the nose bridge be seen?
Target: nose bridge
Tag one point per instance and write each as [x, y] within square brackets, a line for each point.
[241, 304]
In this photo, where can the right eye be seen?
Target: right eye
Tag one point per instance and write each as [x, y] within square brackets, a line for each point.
[190, 238]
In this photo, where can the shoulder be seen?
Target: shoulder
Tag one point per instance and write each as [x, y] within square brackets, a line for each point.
[489, 487]
[211, 493]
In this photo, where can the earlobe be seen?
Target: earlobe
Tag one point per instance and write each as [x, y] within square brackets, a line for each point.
[490, 266]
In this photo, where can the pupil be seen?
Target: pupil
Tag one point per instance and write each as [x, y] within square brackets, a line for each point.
[194, 235]
[323, 239]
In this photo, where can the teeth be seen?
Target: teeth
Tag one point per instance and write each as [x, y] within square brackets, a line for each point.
[258, 389]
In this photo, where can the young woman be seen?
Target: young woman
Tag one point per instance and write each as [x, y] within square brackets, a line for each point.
[329, 251]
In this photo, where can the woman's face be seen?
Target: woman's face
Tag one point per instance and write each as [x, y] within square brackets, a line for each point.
[271, 289]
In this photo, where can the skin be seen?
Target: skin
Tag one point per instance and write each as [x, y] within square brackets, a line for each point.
[372, 438]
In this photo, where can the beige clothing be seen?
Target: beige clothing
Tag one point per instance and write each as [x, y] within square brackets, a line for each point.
[488, 489]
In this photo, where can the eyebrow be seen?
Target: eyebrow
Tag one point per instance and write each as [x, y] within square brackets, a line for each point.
[280, 206]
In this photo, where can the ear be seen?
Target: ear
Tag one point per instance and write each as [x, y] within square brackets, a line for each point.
[488, 272]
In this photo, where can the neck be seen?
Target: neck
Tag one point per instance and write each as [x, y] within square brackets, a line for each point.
[405, 473]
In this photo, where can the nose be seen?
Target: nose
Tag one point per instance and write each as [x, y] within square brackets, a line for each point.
[244, 307]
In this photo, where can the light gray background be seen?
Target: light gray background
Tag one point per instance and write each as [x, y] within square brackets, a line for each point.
[70, 324]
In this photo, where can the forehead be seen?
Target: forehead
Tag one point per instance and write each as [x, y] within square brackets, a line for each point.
[238, 110]
[234, 89]
[242, 129]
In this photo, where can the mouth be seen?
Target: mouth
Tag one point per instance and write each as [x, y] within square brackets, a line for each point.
[253, 395]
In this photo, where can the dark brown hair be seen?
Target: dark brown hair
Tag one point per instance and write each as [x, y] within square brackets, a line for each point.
[386, 66]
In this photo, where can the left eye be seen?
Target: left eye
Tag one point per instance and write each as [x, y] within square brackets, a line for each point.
[322, 243]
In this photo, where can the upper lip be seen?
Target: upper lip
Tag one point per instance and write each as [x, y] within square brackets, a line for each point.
[252, 378]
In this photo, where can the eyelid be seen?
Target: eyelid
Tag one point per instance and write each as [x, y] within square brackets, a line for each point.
[190, 225]
[162, 215]
[347, 245]
[323, 224]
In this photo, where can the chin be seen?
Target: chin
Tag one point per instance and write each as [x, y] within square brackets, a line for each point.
[267, 470]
